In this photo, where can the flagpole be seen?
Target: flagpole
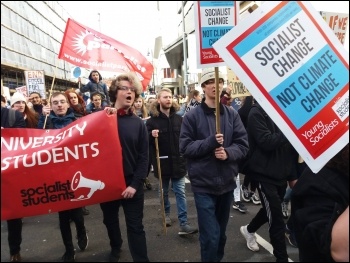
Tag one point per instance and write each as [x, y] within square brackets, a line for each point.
[48, 101]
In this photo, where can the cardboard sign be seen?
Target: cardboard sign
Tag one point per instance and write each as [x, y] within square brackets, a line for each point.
[298, 71]
[213, 19]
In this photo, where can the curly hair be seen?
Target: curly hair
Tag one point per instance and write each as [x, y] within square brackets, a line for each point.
[132, 78]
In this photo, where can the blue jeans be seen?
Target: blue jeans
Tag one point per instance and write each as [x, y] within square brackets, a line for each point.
[178, 186]
[213, 212]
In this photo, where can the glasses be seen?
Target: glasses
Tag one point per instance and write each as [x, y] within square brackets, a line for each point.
[37, 97]
[56, 102]
[126, 88]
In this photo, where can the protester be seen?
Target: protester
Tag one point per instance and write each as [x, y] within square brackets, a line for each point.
[96, 100]
[271, 164]
[212, 163]
[248, 188]
[77, 104]
[18, 102]
[165, 125]
[141, 111]
[14, 226]
[134, 141]
[35, 99]
[59, 115]
[320, 209]
[195, 99]
[96, 85]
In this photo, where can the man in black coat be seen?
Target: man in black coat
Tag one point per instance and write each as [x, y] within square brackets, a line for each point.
[166, 124]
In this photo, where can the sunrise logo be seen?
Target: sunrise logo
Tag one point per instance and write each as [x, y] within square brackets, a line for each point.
[79, 42]
[86, 41]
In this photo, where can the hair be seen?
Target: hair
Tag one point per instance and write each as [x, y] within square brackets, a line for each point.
[55, 94]
[32, 117]
[34, 92]
[95, 71]
[193, 93]
[132, 78]
[144, 110]
[164, 90]
[340, 161]
[3, 99]
[95, 94]
[81, 107]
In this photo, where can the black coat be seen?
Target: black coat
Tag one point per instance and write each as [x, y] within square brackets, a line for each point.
[172, 163]
[317, 202]
[272, 159]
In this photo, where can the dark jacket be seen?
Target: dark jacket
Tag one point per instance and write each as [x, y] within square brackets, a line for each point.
[317, 202]
[98, 87]
[19, 120]
[172, 163]
[272, 158]
[198, 143]
[134, 141]
[57, 122]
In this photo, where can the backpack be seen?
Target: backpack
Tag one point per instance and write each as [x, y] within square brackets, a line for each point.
[12, 117]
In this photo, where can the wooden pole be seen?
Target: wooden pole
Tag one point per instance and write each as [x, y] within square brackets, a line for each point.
[48, 101]
[160, 185]
[217, 100]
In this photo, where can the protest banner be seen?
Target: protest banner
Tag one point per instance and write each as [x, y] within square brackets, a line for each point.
[46, 171]
[213, 19]
[87, 48]
[35, 82]
[298, 71]
[338, 22]
[23, 91]
[238, 88]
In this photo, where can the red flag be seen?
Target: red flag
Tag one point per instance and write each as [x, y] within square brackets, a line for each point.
[46, 171]
[88, 48]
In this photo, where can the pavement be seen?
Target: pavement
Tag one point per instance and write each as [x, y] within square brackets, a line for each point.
[42, 240]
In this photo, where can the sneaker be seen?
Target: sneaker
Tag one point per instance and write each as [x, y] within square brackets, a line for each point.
[291, 237]
[239, 206]
[85, 211]
[255, 199]
[69, 256]
[245, 193]
[168, 220]
[187, 229]
[15, 258]
[148, 184]
[285, 210]
[115, 255]
[83, 241]
[250, 237]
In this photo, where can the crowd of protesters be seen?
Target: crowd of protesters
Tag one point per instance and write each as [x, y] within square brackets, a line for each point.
[248, 143]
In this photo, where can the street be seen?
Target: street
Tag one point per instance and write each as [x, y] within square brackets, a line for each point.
[42, 240]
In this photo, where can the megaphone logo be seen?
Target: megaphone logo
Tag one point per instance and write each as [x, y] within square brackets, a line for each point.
[80, 181]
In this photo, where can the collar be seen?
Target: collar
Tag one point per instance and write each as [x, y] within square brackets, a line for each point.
[122, 112]
[208, 110]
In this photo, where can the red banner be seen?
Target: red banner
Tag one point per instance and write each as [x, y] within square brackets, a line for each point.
[87, 48]
[46, 171]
